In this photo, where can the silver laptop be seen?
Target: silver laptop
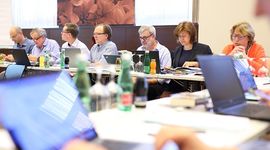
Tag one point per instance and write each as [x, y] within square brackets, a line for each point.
[72, 53]
[50, 117]
[226, 91]
[246, 78]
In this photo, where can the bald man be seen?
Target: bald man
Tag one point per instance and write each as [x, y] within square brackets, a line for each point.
[20, 41]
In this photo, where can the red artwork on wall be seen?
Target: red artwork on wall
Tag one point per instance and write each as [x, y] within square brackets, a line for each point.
[92, 12]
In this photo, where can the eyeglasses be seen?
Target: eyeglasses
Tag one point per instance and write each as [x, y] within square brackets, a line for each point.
[145, 37]
[181, 36]
[98, 33]
[35, 39]
[237, 36]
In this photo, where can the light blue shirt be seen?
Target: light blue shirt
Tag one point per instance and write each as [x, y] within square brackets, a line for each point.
[78, 44]
[51, 47]
[27, 45]
[97, 51]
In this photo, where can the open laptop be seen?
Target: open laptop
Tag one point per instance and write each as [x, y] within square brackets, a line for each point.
[50, 117]
[225, 89]
[246, 78]
[152, 55]
[111, 59]
[21, 58]
[72, 53]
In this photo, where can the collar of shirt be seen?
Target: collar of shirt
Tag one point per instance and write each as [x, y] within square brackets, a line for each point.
[23, 44]
[74, 44]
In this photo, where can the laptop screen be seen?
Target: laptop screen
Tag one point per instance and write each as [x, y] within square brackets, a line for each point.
[221, 80]
[72, 54]
[43, 112]
[21, 57]
[111, 59]
[245, 76]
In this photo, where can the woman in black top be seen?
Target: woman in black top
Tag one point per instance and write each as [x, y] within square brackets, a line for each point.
[185, 54]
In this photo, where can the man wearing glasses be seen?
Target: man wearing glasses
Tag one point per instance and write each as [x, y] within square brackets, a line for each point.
[102, 35]
[70, 35]
[43, 45]
[148, 40]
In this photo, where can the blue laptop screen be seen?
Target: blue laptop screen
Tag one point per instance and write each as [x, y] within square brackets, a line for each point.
[245, 76]
[43, 112]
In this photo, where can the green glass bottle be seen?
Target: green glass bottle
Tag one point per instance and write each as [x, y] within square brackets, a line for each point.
[62, 58]
[82, 82]
[146, 62]
[125, 82]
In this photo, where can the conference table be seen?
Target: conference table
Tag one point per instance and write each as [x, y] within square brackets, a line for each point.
[106, 70]
[141, 125]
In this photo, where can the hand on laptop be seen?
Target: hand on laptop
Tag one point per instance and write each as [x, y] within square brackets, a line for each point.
[82, 145]
[185, 138]
[32, 58]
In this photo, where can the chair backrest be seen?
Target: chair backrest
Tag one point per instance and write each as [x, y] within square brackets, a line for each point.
[14, 71]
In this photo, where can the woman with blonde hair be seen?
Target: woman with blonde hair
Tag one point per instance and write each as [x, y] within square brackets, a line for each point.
[244, 46]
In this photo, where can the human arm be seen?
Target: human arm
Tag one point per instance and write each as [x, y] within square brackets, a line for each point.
[81, 145]
[184, 138]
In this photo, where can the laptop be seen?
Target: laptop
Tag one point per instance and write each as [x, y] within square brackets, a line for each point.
[226, 91]
[21, 58]
[246, 78]
[72, 54]
[111, 59]
[50, 117]
[152, 55]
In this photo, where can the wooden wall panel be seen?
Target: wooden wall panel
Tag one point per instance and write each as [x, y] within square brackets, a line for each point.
[126, 37]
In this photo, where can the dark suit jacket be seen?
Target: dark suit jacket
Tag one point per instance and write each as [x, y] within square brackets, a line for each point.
[197, 49]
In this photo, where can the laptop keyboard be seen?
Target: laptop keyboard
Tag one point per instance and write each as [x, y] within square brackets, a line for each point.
[252, 109]
[249, 109]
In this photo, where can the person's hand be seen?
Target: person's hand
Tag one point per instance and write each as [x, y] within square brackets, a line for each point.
[185, 138]
[32, 58]
[238, 49]
[9, 58]
[191, 64]
[81, 145]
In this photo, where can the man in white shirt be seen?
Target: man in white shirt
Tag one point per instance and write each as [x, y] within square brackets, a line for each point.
[70, 34]
[147, 35]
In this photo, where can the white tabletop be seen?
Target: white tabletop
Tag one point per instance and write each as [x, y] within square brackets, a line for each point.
[141, 124]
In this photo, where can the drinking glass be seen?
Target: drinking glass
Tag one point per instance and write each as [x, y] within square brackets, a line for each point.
[139, 64]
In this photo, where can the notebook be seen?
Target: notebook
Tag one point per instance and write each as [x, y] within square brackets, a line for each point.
[50, 117]
[72, 53]
[246, 78]
[111, 59]
[226, 91]
[21, 58]
[152, 55]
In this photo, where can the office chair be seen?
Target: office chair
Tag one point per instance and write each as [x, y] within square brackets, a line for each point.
[14, 71]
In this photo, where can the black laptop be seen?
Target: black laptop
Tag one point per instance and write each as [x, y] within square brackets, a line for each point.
[226, 91]
[21, 58]
[51, 116]
[111, 59]
[152, 55]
